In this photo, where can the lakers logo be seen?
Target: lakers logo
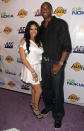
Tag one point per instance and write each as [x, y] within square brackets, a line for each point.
[73, 98]
[9, 59]
[22, 13]
[77, 66]
[59, 11]
[6, 1]
[11, 84]
[7, 30]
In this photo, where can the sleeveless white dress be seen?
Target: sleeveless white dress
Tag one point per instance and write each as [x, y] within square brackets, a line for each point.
[34, 58]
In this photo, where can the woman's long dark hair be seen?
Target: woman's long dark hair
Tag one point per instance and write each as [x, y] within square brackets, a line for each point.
[27, 34]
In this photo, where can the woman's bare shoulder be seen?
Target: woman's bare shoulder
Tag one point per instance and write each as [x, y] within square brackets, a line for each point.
[22, 41]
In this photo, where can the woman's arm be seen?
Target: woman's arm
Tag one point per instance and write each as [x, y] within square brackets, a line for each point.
[23, 56]
[25, 62]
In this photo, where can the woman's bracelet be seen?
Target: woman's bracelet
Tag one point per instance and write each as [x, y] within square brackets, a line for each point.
[33, 73]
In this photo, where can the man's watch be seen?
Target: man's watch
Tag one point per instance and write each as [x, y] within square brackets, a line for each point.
[61, 63]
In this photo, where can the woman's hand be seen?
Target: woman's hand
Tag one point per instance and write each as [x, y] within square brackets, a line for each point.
[35, 76]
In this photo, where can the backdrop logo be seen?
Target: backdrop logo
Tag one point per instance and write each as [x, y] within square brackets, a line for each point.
[7, 30]
[11, 84]
[77, 11]
[9, 59]
[4, 15]
[22, 13]
[2, 83]
[6, 1]
[73, 83]
[60, 11]
[73, 98]
[78, 49]
[77, 66]
[38, 13]
[21, 30]
[8, 72]
[9, 45]
[19, 60]
[25, 87]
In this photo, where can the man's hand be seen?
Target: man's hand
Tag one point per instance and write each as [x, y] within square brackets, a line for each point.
[56, 68]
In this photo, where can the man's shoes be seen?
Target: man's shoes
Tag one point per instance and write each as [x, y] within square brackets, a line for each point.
[57, 124]
[45, 111]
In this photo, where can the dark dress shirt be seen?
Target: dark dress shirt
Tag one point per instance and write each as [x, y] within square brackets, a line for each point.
[55, 38]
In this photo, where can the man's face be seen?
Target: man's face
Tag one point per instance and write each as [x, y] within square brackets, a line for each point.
[46, 11]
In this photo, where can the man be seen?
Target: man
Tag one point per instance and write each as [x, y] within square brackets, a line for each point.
[57, 46]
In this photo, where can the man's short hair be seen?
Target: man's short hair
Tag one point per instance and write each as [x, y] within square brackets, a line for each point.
[47, 4]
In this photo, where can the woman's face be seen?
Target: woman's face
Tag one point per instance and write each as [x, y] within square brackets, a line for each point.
[33, 31]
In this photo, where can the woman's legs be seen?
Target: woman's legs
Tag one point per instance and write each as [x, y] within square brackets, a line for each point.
[32, 103]
[36, 93]
[33, 95]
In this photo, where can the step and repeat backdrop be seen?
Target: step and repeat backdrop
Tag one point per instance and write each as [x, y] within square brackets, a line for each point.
[14, 15]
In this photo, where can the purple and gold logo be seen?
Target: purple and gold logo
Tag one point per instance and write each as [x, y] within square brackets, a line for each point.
[22, 13]
[11, 84]
[9, 59]
[73, 98]
[77, 66]
[5, 1]
[7, 30]
[60, 11]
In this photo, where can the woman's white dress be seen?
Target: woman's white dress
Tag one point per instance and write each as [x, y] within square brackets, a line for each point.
[34, 58]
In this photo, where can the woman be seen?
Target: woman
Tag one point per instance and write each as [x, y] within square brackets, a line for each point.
[31, 54]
